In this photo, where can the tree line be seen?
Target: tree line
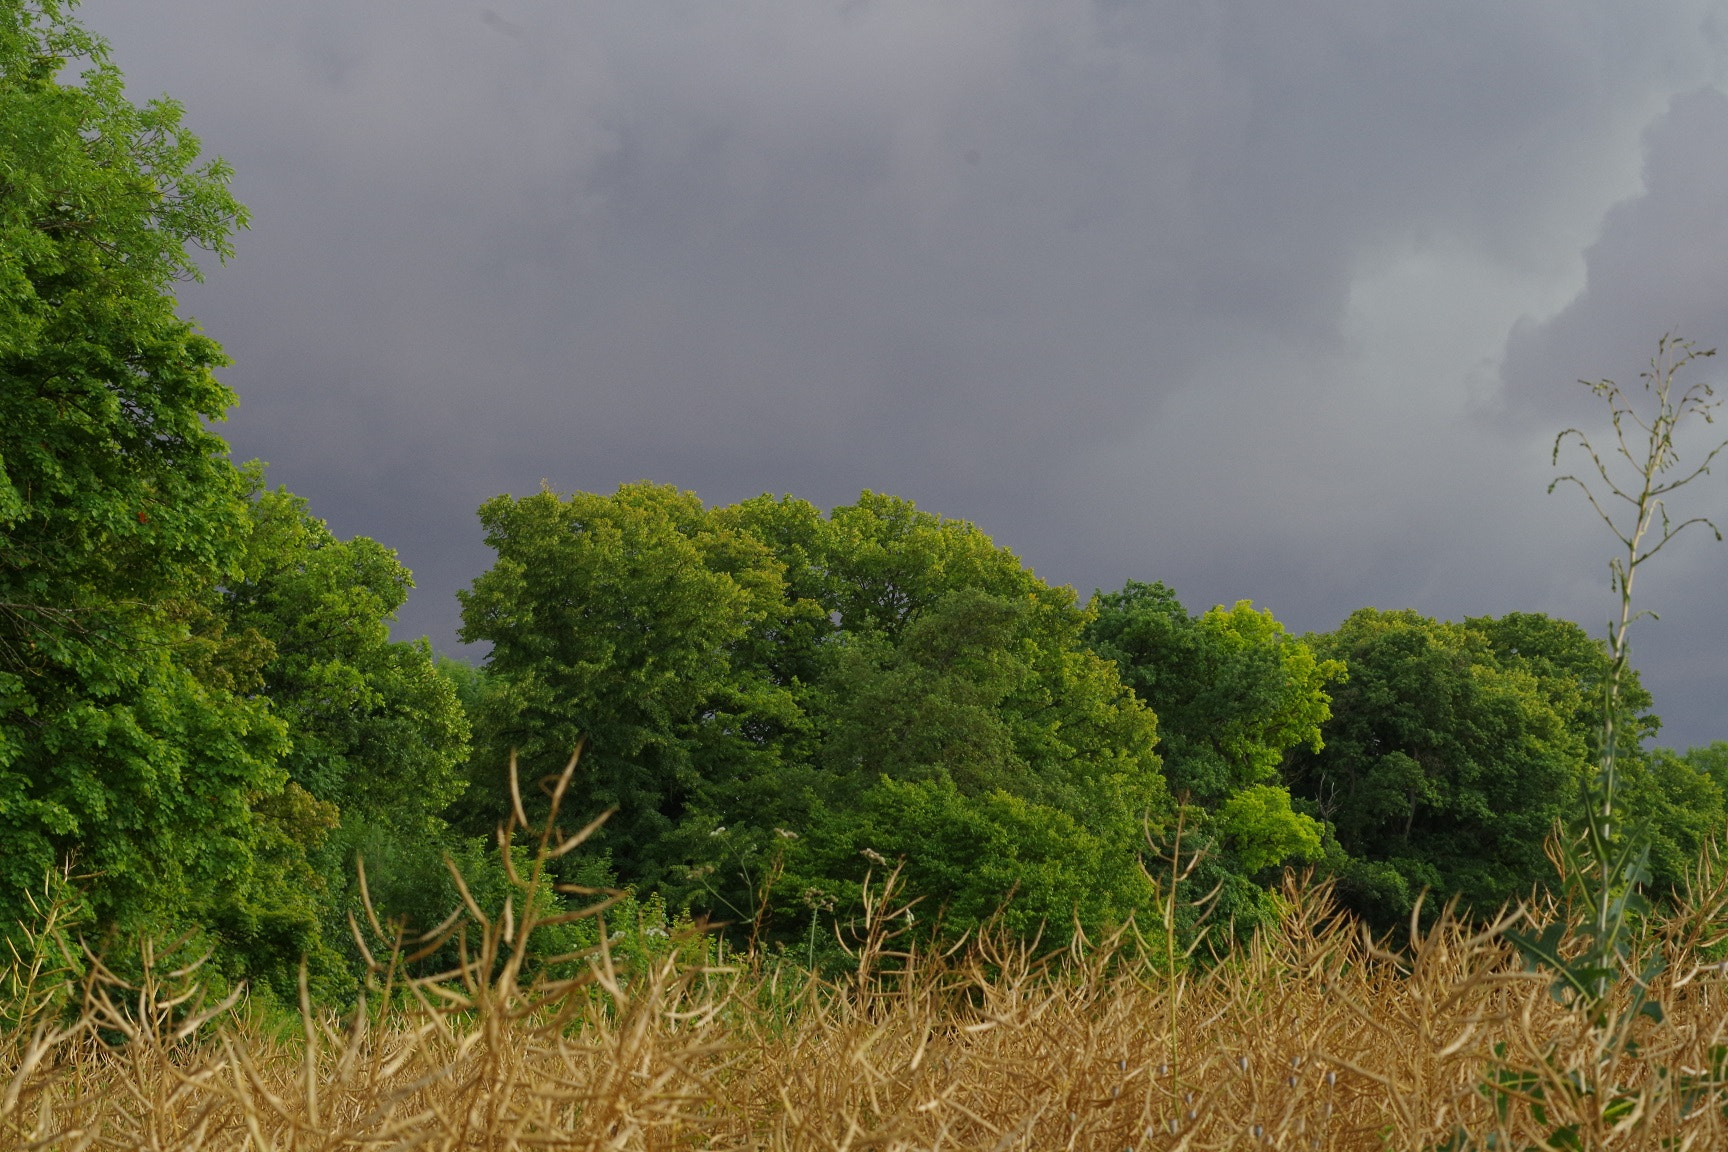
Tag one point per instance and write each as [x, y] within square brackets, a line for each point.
[205, 725]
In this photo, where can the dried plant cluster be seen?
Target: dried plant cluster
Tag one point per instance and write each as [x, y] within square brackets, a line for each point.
[1313, 1037]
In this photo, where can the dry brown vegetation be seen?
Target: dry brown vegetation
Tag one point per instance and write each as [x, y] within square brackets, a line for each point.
[1311, 1038]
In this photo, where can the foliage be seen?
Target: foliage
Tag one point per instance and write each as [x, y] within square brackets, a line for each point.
[1444, 765]
[1676, 802]
[626, 622]
[1711, 761]
[196, 682]
[127, 734]
[994, 754]
[1231, 689]
[765, 691]
[994, 857]
[1572, 668]
[1260, 825]
[1681, 802]
[114, 496]
[376, 726]
[377, 742]
[1680, 807]
[1233, 693]
[1455, 747]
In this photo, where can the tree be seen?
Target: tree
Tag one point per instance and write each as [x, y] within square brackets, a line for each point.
[130, 737]
[1445, 765]
[986, 719]
[622, 623]
[1232, 690]
[1711, 761]
[1672, 797]
[765, 693]
[1233, 693]
[1679, 804]
[377, 742]
[968, 860]
[1572, 667]
[376, 728]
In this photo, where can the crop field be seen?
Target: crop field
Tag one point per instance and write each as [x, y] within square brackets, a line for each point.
[1312, 1037]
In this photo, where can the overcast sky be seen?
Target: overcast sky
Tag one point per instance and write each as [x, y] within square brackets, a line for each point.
[1278, 301]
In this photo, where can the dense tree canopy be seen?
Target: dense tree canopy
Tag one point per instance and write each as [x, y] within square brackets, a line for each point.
[759, 685]
[203, 715]
[1447, 761]
[1456, 749]
[1672, 798]
[198, 697]
[628, 622]
[376, 728]
[376, 737]
[1233, 693]
[130, 737]
[1231, 689]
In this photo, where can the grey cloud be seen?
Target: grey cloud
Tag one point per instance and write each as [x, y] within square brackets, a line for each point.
[1099, 276]
[500, 25]
[1659, 266]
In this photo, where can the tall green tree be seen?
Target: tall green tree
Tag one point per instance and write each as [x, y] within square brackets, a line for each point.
[1681, 807]
[625, 622]
[777, 700]
[129, 736]
[1711, 761]
[1571, 666]
[945, 747]
[1234, 692]
[1671, 796]
[951, 705]
[1446, 762]
[377, 740]
[376, 728]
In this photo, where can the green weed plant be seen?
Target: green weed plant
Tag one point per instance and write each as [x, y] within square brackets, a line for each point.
[1595, 943]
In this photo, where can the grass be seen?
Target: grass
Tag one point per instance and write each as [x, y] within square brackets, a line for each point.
[1312, 1037]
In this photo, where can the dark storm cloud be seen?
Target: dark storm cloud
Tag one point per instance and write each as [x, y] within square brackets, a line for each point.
[1659, 266]
[1212, 292]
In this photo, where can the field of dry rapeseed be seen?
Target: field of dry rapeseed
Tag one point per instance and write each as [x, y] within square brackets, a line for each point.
[1312, 1038]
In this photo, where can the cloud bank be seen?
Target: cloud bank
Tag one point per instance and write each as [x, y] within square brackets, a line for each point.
[1276, 302]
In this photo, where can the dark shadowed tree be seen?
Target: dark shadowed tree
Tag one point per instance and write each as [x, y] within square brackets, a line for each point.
[1445, 765]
